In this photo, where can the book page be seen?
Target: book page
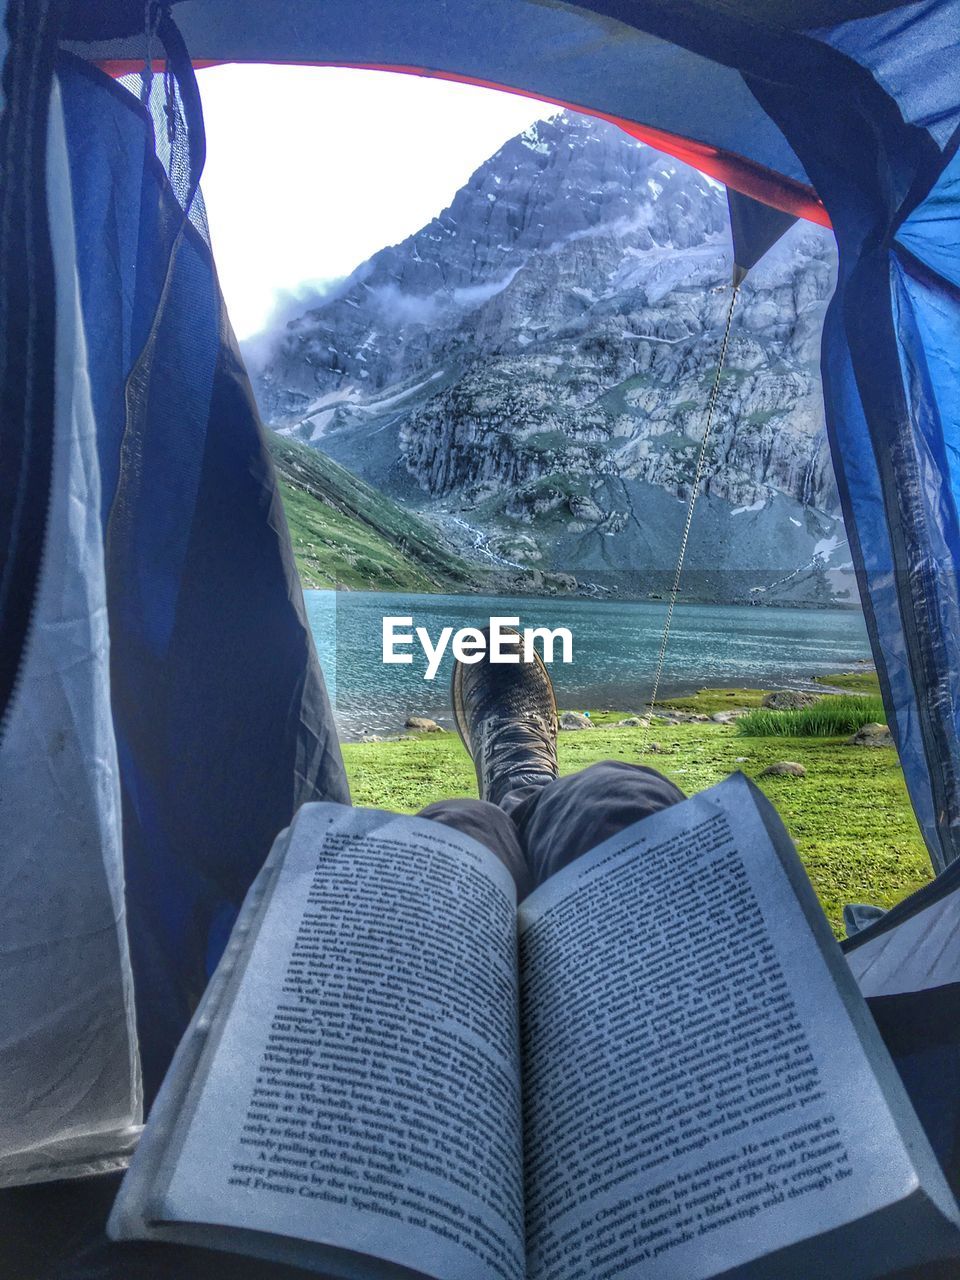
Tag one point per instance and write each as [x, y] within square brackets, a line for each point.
[696, 1091]
[363, 1092]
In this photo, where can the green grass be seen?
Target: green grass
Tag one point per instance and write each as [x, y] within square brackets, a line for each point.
[708, 701]
[346, 533]
[865, 681]
[829, 717]
[850, 816]
[336, 550]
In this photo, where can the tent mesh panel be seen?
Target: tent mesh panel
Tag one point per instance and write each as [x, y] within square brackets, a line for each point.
[170, 133]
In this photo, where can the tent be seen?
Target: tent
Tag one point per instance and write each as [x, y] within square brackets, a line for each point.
[163, 712]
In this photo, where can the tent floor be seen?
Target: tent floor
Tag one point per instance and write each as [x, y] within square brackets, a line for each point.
[55, 1232]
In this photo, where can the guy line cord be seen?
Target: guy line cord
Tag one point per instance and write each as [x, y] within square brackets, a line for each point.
[698, 475]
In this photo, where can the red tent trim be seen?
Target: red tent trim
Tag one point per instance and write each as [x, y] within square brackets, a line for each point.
[733, 170]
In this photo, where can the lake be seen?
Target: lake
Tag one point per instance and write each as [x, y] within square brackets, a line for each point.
[615, 646]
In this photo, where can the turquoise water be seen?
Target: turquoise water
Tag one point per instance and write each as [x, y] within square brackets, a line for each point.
[615, 648]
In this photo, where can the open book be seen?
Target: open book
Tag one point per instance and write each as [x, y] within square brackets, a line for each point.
[657, 1066]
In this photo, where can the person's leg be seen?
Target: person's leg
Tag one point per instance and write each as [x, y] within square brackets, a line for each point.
[488, 824]
[506, 715]
[571, 815]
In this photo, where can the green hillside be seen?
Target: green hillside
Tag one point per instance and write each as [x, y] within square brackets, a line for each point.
[347, 534]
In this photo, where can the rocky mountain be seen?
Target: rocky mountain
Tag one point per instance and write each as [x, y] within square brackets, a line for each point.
[531, 370]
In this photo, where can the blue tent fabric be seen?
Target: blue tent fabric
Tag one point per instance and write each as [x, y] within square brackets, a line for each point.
[912, 51]
[121, 281]
[931, 233]
[910, 409]
[27, 318]
[222, 720]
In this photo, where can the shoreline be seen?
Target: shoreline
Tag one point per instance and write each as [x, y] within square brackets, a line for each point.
[375, 729]
[614, 655]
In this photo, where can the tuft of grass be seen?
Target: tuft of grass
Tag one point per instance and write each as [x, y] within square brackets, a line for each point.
[831, 717]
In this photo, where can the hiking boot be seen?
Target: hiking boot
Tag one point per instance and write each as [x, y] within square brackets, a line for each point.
[506, 715]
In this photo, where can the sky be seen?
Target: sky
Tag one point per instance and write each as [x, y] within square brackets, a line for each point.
[310, 170]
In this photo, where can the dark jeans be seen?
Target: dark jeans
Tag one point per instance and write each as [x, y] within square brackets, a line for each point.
[537, 830]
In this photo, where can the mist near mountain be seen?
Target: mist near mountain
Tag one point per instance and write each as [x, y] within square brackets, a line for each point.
[530, 372]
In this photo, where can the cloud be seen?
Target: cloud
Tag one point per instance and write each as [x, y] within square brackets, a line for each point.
[290, 305]
[396, 307]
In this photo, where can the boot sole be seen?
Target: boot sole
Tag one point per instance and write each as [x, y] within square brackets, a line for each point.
[459, 715]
